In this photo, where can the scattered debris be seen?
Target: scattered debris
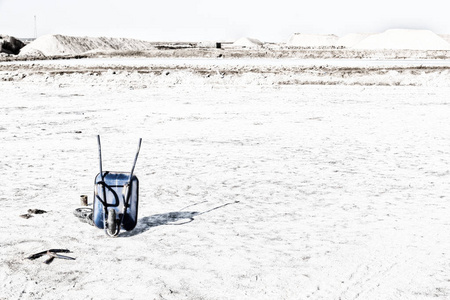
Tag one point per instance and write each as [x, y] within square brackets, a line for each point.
[84, 214]
[31, 212]
[36, 211]
[220, 74]
[53, 253]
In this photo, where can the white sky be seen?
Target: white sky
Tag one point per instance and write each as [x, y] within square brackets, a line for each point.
[199, 20]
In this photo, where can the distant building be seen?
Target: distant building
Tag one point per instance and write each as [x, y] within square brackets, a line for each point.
[209, 44]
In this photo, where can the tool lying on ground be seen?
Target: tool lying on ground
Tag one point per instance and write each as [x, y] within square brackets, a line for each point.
[53, 253]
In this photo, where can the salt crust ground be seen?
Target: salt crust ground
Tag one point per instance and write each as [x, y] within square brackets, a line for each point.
[144, 72]
[342, 190]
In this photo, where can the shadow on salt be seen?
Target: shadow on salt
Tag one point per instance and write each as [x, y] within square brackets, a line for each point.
[171, 218]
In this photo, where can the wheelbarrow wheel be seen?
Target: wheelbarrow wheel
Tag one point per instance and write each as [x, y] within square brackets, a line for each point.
[111, 222]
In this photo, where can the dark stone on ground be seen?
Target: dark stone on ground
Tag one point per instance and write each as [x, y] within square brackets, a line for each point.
[10, 45]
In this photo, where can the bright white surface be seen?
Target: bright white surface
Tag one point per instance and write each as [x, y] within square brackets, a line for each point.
[343, 190]
[404, 39]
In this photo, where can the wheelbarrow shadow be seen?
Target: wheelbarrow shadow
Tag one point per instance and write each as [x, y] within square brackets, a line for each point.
[171, 218]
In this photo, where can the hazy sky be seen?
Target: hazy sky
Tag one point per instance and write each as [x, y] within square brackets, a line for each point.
[200, 20]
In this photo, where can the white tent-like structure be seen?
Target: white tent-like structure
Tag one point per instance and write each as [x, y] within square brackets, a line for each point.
[404, 39]
[312, 40]
[246, 42]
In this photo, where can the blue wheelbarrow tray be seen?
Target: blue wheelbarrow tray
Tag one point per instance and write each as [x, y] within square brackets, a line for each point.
[114, 185]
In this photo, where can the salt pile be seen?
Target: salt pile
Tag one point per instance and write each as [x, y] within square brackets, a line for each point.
[445, 37]
[50, 45]
[351, 39]
[247, 43]
[404, 39]
[312, 40]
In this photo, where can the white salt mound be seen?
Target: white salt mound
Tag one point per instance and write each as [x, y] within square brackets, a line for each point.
[404, 39]
[312, 40]
[50, 45]
[248, 43]
[352, 39]
[446, 37]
